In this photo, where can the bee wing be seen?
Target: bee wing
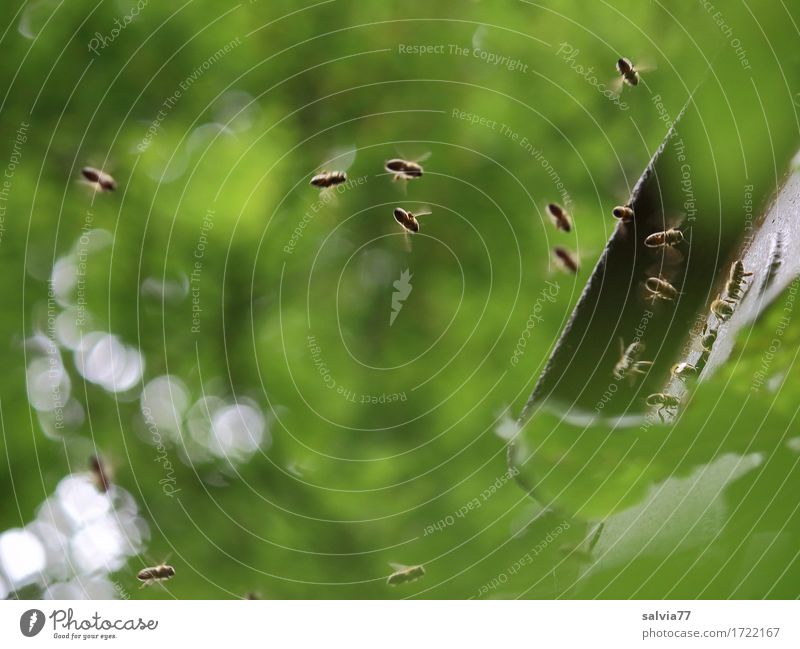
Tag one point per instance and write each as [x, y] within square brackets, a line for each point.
[399, 181]
[645, 65]
[342, 158]
[617, 84]
[668, 257]
[664, 270]
[478, 37]
[645, 295]
[416, 158]
[425, 210]
[672, 219]
[398, 567]
[154, 563]
[295, 469]
[406, 240]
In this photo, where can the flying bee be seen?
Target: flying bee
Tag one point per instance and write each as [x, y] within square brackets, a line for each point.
[663, 403]
[404, 574]
[628, 72]
[101, 473]
[629, 365]
[624, 213]
[403, 169]
[668, 238]
[561, 218]
[409, 223]
[566, 258]
[100, 180]
[684, 370]
[159, 573]
[408, 219]
[326, 179]
[660, 289]
[722, 308]
[736, 279]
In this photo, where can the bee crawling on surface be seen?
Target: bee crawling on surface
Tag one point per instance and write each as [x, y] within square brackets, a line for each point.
[709, 338]
[663, 403]
[404, 574]
[155, 574]
[629, 365]
[566, 258]
[736, 280]
[722, 308]
[326, 179]
[660, 289]
[668, 238]
[561, 218]
[684, 370]
[624, 213]
[702, 360]
[98, 179]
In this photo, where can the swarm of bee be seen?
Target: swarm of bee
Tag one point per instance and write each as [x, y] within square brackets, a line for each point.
[629, 367]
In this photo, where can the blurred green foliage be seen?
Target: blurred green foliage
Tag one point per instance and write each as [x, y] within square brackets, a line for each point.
[374, 476]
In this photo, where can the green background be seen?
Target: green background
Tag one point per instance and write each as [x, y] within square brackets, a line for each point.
[323, 79]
